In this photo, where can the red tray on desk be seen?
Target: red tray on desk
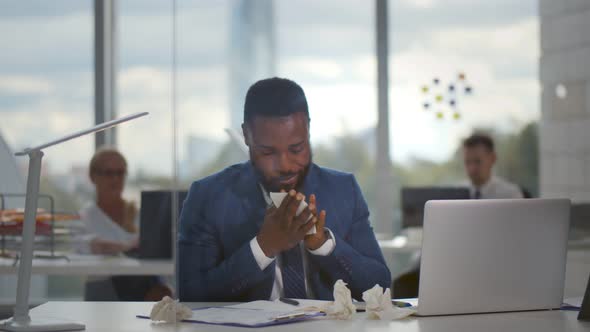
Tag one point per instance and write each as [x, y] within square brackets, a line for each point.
[11, 221]
[16, 228]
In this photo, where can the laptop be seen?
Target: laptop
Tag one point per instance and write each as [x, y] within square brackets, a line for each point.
[493, 255]
[155, 223]
[585, 308]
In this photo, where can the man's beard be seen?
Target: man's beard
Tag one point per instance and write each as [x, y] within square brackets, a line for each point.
[274, 184]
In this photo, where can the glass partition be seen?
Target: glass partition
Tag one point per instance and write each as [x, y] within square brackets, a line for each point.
[454, 67]
[46, 91]
[458, 67]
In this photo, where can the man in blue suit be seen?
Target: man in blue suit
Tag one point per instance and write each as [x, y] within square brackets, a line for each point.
[235, 245]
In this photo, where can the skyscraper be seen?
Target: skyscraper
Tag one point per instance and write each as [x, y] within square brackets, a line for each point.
[252, 51]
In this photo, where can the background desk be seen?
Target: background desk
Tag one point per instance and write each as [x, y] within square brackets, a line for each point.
[120, 316]
[67, 277]
[85, 265]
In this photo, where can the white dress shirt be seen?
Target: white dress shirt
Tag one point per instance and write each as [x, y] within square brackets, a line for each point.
[264, 261]
[98, 224]
[497, 188]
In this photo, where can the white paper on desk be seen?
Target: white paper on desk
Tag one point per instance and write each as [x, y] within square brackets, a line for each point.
[308, 305]
[304, 305]
[277, 199]
[573, 301]
[250, 313]
[226, 315]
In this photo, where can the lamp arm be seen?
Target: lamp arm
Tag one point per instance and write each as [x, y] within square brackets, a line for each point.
[21, 309]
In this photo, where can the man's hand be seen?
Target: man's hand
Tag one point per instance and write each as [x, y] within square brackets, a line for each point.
[282, 229]
[314, 241]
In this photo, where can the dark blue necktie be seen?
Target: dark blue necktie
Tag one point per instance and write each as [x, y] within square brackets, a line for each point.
[292, 272]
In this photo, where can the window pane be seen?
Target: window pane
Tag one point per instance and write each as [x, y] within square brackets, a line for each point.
[145, 85]
[46, 91]
[455, 67]
[330, 51]
[203, 90]
[441, 48]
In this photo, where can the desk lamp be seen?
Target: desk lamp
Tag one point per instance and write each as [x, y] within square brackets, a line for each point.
[21, 320]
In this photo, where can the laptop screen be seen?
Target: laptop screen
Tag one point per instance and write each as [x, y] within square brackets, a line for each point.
[155, 223]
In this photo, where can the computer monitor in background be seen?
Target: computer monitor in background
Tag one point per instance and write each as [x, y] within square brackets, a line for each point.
[155, 223]
[414, 198]
[580, 216]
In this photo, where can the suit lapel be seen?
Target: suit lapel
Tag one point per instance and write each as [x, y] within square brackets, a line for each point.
[251, 198]
[253, 208]
[310, 182]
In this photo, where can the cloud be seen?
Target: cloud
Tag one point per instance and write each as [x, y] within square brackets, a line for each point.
[19, 84]
[498, 44]
[344, 28]
[21, 89]
[63, 31]
[49, 120]
[318, 68]
[341, 90]
[202, 36]
[17, 10]
[201, 110]
[326, 46]
[46, 45]
[339, 109]
[421, 4]
[429, 15]
[62, 39]
[26, 93]
[505, 104]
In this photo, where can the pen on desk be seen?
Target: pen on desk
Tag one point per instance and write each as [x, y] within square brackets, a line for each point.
[290, 316]
[288, 301]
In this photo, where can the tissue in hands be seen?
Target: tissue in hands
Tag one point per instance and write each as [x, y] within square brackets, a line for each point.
[379, 306]
[342, 307]
[169, 311]
[277, 199]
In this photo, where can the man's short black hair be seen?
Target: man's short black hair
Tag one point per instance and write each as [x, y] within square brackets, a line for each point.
[274, 97]
[479, 139]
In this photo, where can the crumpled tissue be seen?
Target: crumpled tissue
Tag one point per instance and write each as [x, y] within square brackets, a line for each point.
[379, 306]
[277, 198]
[170, 311]
[342, 307]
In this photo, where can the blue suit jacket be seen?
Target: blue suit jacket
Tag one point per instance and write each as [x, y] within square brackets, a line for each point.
[223, 212]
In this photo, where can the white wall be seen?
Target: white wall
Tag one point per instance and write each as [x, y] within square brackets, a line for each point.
[565, 125]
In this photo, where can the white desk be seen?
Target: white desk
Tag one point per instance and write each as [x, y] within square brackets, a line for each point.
[120, 316]
[84, 265]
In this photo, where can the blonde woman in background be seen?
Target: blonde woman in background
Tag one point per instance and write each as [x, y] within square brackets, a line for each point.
[112, 228]
[111, 220]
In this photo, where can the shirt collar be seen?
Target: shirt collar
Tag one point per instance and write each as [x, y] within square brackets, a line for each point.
[265, 194]
[486, 186]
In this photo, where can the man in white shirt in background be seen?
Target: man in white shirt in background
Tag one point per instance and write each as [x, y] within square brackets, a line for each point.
[479, 158]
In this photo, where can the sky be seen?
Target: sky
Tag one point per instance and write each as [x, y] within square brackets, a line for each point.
[328, 47]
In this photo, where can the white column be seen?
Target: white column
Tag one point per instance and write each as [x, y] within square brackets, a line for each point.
[385, 185]
[105, 69]
[565, 116]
